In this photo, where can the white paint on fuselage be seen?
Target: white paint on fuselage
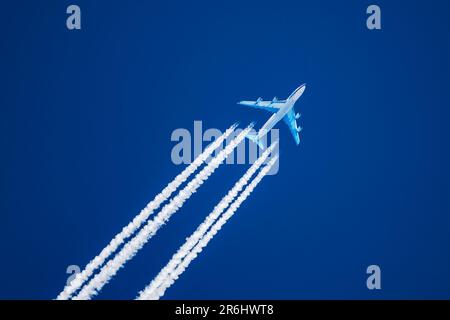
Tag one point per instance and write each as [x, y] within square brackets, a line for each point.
[276, 117]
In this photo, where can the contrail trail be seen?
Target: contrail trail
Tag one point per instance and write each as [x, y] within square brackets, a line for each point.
[184, 250]
[132, 246]
[139, 219]
[159, 292]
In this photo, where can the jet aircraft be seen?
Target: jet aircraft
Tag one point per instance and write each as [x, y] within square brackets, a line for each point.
[281, 109]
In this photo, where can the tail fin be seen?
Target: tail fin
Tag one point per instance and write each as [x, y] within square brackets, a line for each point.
[253, 137]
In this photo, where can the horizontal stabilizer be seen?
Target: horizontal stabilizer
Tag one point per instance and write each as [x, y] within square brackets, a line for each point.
[255, 139]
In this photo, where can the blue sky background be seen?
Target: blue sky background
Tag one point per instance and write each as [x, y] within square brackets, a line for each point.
[86, 119]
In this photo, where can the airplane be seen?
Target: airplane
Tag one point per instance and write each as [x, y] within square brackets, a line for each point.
[281, 109]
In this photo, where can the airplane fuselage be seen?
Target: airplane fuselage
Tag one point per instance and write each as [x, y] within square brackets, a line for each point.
[284, 110]
[274, 119]
[281, 110]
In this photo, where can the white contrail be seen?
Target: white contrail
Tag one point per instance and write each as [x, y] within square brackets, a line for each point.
[139, 219]
[158, 292]
[184, 250]
[132, 246]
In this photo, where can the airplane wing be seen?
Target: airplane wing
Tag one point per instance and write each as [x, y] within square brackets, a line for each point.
[270, 106]
[289, 119]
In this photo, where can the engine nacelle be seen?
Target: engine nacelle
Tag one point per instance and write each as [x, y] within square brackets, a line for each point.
[299, 129]
[297, 116]
[259, 100]
[275, 99]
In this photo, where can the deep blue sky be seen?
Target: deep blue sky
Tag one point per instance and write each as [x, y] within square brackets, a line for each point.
[85, 125]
